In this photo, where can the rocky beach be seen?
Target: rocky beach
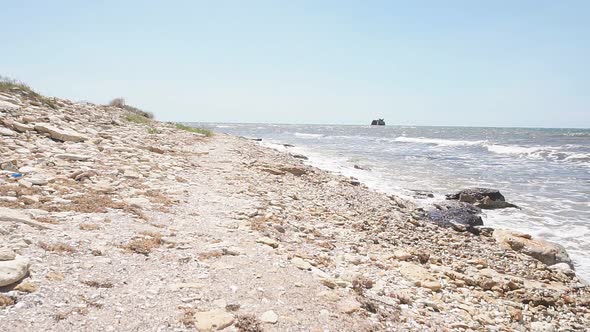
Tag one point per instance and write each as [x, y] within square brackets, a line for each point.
[111, 221]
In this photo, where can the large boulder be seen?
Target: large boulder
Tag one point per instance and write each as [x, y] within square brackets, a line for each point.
[458, 215]
[547, 252]
[483, 198]
[13, 270]
[64, 135]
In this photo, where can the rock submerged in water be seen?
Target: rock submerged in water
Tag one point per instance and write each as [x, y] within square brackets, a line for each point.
[458, 215]
[483, 198]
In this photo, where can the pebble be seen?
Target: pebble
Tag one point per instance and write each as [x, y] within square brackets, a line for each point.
[269, 317]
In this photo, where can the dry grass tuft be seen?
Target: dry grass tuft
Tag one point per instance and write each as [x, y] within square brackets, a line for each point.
[47, 220]
[12, 85]
[144, 245]
[325, 261]
[58, 247]
[89, 227]
[248, 323]
[359, 284]
[98, 284]
[5, 301]
[26, 286]
[188, 317]
[55, 276]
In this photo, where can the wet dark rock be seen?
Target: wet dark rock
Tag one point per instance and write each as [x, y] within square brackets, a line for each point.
[289, 145]
[483, 198]
[457, 215]
[379, 122]
[421, 194]
[362, 168]
[299, 156]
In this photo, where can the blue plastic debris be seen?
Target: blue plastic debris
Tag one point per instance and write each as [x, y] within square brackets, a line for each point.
[16, 175]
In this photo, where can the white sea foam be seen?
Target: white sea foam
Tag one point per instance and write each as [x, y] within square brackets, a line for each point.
[437, 141]
[306, 135]
[512, 149]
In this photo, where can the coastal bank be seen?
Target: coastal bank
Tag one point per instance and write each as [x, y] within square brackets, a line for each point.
[111, 221]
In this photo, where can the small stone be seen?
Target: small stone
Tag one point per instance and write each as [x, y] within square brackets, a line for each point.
[72, 157]
[434, 286]
[6, 254]
[269, 317]
[268, 241]
[401, 255]
[301, 264]
[348, 306]
[541, 327]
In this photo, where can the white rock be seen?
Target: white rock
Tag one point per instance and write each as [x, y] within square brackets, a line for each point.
[213, 320]
[563, 268]
[21, 127]
[6, 254]
[13, 270]
[6, 132]
[348, 306]
[541, 327]
[59, 134]
[71, 156]
[300, 263]
[270, 317]
[268, 241]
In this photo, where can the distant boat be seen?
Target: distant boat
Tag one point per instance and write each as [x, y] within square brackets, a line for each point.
[380, 122]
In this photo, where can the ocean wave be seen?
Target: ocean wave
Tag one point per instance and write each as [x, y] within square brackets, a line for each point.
[563, 153]
[305, 135]
[437, 141]
[512, 149]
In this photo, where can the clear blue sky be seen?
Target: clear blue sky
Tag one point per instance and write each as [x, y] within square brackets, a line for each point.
[482, 63]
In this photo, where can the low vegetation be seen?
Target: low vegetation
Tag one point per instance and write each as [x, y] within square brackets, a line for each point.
[136, 118]
[153, 131]
[201, 131]
[120, 103]
[144, 245]
[58, 247]
[8, 84]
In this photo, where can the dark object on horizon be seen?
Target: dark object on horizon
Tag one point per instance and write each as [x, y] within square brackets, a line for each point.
[380, 122]
[483, 198]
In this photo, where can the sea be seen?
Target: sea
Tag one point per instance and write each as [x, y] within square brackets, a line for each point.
[546, 172]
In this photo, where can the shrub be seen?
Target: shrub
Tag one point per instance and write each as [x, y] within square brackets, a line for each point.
[201, 131]
[120, 103]
[8, 84]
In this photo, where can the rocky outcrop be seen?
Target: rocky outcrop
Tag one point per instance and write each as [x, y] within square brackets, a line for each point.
[547, 252]
[483, 198]
[64, 135]
[379, 122]
[458, 215]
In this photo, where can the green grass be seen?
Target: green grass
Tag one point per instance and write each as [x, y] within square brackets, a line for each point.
[203, 131]
[153, 131]
[9, 84]
[136, 118]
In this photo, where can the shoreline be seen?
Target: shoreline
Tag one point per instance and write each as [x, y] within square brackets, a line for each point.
[418, 196]
[149, 227]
